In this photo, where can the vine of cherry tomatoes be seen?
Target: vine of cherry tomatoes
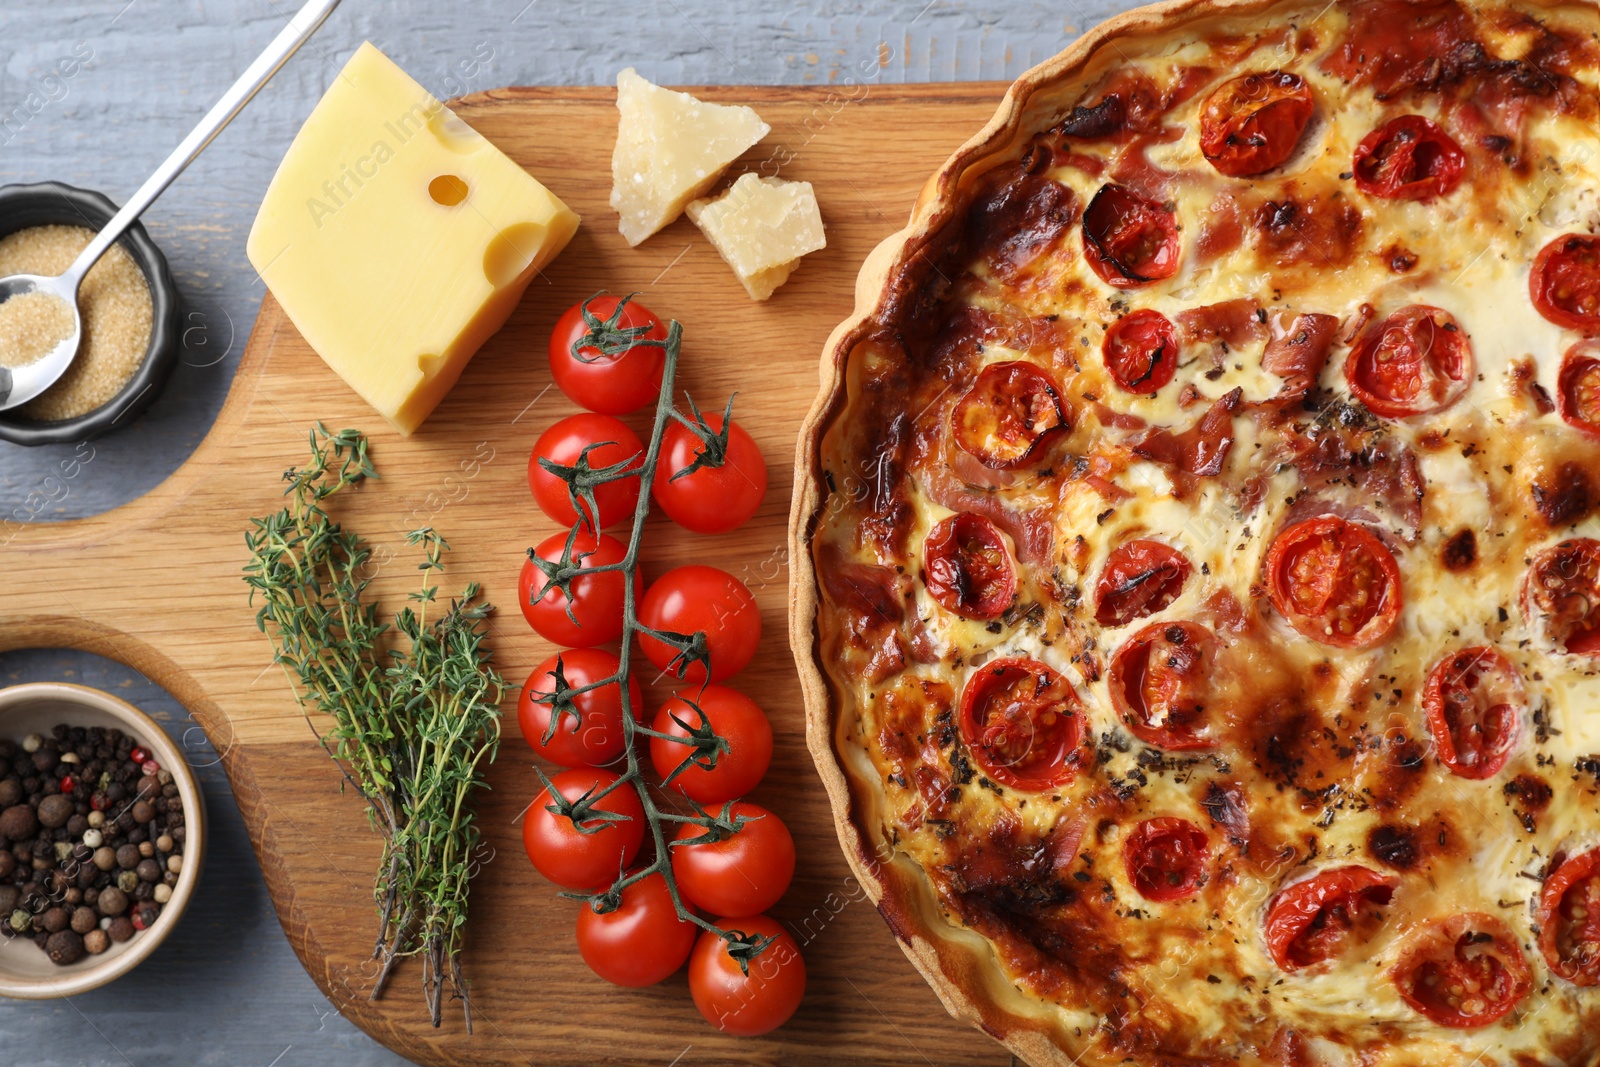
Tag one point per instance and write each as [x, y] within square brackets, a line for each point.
[731, 860]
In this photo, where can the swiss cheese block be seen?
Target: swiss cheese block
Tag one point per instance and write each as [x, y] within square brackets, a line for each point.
[670, 149]
[398, 239]
[762, 226]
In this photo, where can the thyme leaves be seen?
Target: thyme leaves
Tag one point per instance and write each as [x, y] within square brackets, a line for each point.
[414, 703]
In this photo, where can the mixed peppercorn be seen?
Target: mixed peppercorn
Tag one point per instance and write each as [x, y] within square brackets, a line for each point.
[91, 840]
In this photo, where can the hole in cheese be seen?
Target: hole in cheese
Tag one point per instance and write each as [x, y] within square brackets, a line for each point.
[453, 134]
[510, 252]
[447, 189]
[428, 363]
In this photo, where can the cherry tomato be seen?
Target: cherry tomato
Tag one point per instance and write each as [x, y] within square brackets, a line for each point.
[571, 857]
[1159, 683]
[1464, 972]
[609, 385]
[1561, 595]
[736, 719]
[696, 599]
[1252, 123]
[595, 737]
[752, 1003]
[1313, 920]
[1140, 578]
[642, 941]
[1128, 239]
[1565, 282]
[1141, 351]
[1009, 416]
[743, 874]
[1408, 158]
[1569, 919]
[563, 444]
[1473, 704]
[1335, 582]
[1023, 723]
[1578, 390]
[1166, 858]
[713, 499]
[967, 567]
[1413, 362]
[596, 601]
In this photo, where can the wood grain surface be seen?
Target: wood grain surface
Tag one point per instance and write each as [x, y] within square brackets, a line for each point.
[156, 585]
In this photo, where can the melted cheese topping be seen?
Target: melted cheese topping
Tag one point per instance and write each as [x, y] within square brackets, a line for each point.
[1325, 749]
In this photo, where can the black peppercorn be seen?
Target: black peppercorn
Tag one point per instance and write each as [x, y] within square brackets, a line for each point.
[121, 929]
[111, 902]
[149, 870]
[17, 823]
[54, 811]
[84, 920]
[128, 857]
[53, 920]
[65, 947]
[10, 792]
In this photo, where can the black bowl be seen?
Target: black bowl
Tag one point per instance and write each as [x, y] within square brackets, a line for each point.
[57, 204]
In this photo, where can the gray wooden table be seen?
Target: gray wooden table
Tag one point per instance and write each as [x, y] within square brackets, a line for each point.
[226, 989]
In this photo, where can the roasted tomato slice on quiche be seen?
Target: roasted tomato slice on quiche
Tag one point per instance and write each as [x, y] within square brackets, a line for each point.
[1561, 595]
[1129, 239]
[1578, 389]
[1160, 683]
[1009, 415]
[1565, 282]
[1140, 578]
[1414, 362]
[1254, 122]
[1023, 723]
[1569, 919]
[1315, 919]
[1166, 859]
[1141, 351]
[1464, 971]
[1335, 582]
[1473, 703]
[967, 567]
[1408, 158]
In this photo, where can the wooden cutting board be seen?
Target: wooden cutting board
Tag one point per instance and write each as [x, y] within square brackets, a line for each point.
[156, 585]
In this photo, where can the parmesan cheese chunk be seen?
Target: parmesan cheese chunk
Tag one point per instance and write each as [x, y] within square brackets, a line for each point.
[670, 149]
[762, 226]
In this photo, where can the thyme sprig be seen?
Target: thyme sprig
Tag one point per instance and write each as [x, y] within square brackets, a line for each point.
[414, 703]
[704, 745]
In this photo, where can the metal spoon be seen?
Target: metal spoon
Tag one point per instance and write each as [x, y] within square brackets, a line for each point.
[18, 385]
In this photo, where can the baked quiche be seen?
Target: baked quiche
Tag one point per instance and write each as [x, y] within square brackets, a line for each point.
[1198, 546]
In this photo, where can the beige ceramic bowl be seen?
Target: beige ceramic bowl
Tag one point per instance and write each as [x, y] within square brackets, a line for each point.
[25, 972]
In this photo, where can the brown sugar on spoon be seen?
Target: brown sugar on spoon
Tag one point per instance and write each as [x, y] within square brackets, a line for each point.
[118, 316]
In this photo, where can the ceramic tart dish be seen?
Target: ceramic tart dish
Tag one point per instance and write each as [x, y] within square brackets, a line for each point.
[1196, 551]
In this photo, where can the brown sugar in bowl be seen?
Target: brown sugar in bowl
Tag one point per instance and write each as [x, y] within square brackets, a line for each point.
[57, 204]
